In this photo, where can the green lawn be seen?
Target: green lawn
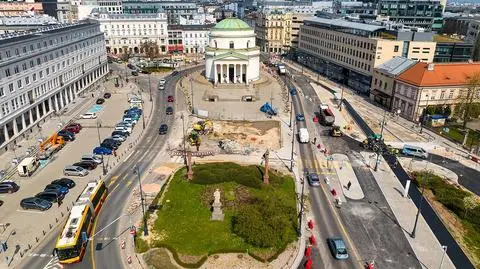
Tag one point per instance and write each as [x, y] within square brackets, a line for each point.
[183, 221]
[456, 134]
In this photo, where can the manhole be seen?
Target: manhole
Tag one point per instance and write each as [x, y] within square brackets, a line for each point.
[99, 246]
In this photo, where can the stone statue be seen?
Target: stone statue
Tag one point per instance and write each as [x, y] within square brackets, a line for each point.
[217, 213]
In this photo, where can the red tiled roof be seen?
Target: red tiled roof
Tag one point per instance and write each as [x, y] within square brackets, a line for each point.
[445, 74]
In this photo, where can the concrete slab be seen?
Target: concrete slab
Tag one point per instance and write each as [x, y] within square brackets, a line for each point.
[422, 165]
[346, 175]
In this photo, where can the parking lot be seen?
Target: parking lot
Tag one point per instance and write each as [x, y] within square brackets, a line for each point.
[27, 227]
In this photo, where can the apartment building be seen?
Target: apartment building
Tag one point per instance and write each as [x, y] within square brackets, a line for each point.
[195, 38]
[424, 85]
[274, 31]
[44, 70]
[19, 8]
[348, 51]
[125, 33]
[383, 81]
[25, 23]
[420, 13]
[174, 9]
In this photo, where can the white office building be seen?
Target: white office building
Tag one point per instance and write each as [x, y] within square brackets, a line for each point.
[42, 71]
[195, 38]
[126, 32]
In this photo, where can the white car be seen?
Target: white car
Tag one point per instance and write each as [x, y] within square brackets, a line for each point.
[162, 81]
[92, 158]
[123, 128]
[89, 115]
[120, 138]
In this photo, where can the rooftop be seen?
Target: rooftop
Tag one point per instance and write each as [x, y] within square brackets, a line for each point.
[396, 65]
[231, 24]
[446, 38]
[445, 74]
[344, 24]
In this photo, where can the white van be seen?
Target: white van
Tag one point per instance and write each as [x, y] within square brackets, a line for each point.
[414, 151]
[28, 166]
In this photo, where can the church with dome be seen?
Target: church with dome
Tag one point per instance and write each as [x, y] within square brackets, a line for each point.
[232, 56]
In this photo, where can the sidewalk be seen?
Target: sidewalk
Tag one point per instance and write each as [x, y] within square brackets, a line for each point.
[426, 246]
[443, 145]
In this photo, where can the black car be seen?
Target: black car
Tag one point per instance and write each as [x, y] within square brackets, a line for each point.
[163, 129]
[146, 71]
[134, 73]
[174, 73]
[169, 110]
[67, 135]
[66, 182]
[131, 66]
[110, 140]
[125, 134]
[109, 145]
[100, 101]
[35, 203]
[51, 196]
[8, 187]
[86, 165]
[107, 95]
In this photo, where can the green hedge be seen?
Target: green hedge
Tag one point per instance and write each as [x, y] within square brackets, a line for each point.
[141, 245]
[212, 173]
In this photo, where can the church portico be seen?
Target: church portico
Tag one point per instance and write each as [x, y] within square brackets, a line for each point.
[228, 72]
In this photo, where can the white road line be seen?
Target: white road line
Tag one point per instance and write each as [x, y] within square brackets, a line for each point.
[130, 155]
[43, 255]
[25, 211]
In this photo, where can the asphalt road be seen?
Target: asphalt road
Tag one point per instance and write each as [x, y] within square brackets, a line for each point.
[326, 220]
[104, 253]
[369, 222]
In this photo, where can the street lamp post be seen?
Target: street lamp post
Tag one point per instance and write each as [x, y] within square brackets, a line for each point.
[301, 207]
[419, 211]
[104, 169]
[145, 226]
[444, 248]
[150, 87]
[293, 146]
[381, 138]
[191, 89]
[341, 101]
[184, 146]
[424, 114]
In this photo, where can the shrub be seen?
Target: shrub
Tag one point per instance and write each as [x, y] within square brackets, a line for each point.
[266, 223]
[212, 173]
[141, 245]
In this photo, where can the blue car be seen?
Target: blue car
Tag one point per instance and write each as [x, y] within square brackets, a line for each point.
[68, 136]
[300, 117]
[293, 91]
[338, 248]
[102, 151]
[54, 187]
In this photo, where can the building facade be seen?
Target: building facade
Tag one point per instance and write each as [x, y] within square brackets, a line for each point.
[424, 85]
[348, 51]
[19, 8]
[174, 9]
[421, 13]
[125, 33]
[451, 52]
[232, 56]
[274, 31]
[25, 23]
[383, 81]
[195, 38]
[43, 71]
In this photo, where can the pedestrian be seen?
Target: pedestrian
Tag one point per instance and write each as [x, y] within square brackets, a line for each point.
[349, 184]
[114, 153]
[314, 140]
[59, 202]
[92, 95]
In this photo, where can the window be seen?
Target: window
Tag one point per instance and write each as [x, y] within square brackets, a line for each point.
[19, 84]
[2, 93]
[7, 72]
[232, 45]
[10, 87]
[32, 64]
[16, 69]
[41, 74]
[395, 49]
[27, 80]
[34, 77]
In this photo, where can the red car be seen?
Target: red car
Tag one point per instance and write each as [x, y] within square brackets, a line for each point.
[73, 127]
[170, 98]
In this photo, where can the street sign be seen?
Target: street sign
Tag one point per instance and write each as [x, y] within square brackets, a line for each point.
[133, 230]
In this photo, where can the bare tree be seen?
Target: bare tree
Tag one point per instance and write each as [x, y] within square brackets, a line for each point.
[467, 106]
[126, 53]
[150, 49]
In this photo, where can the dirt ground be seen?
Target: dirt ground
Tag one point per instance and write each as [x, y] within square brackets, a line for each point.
[257, 134]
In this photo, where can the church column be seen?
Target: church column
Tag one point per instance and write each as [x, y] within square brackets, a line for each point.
[215, 76]
[246, 74]
[221, 73]
[234, 73]
[241, 73]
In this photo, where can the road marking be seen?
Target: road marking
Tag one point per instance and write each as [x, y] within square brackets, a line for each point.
[129, 183]
[25, 211]
[110, 192]
[112, 180]
[129, 155]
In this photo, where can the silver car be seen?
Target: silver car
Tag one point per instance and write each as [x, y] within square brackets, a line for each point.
[72, 170]
[91, 158]
[120, 138]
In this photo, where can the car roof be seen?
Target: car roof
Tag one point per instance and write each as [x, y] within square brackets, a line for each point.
[313, 175]
[338, 242]
[72, 167]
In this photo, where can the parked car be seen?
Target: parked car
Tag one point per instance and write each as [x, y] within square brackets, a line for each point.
[313, 179]
[125, 126]
[122, 133]
[66, 182]
[107, 95]
[109, 145]
[169, 110]
[8, 187]
[73, 128]
[91, 158]
[134, 110]
[132, 117]
[123, 129]
[35, 203]
[162, 81]
[100, 101]
[131, 66]
[134, 73]
[59, 188]
[161, 87]
[300, 117]
[71, 170]
[145, 71]
[119, 138]
[129, 121]
[163, 129]
[293, 91]
[109, 140]
[89, 165]
[102, 151]
[67, 136]
[50, 196]
[338, 248]
[89, 115]
[170, 98]
[174, 73]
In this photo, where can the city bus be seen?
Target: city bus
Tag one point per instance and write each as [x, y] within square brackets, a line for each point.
[72, 242]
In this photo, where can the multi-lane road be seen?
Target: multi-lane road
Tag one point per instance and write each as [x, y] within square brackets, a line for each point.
[105, 253]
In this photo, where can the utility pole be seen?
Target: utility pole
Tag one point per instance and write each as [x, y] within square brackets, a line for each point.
[191, 89]
[184, 146]
[301, 207]
[293, 146]
[381, 140]
[150, 87]
[267, 167]
[104, 169]
[424, 112]
[341, 101]
[145, 226]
